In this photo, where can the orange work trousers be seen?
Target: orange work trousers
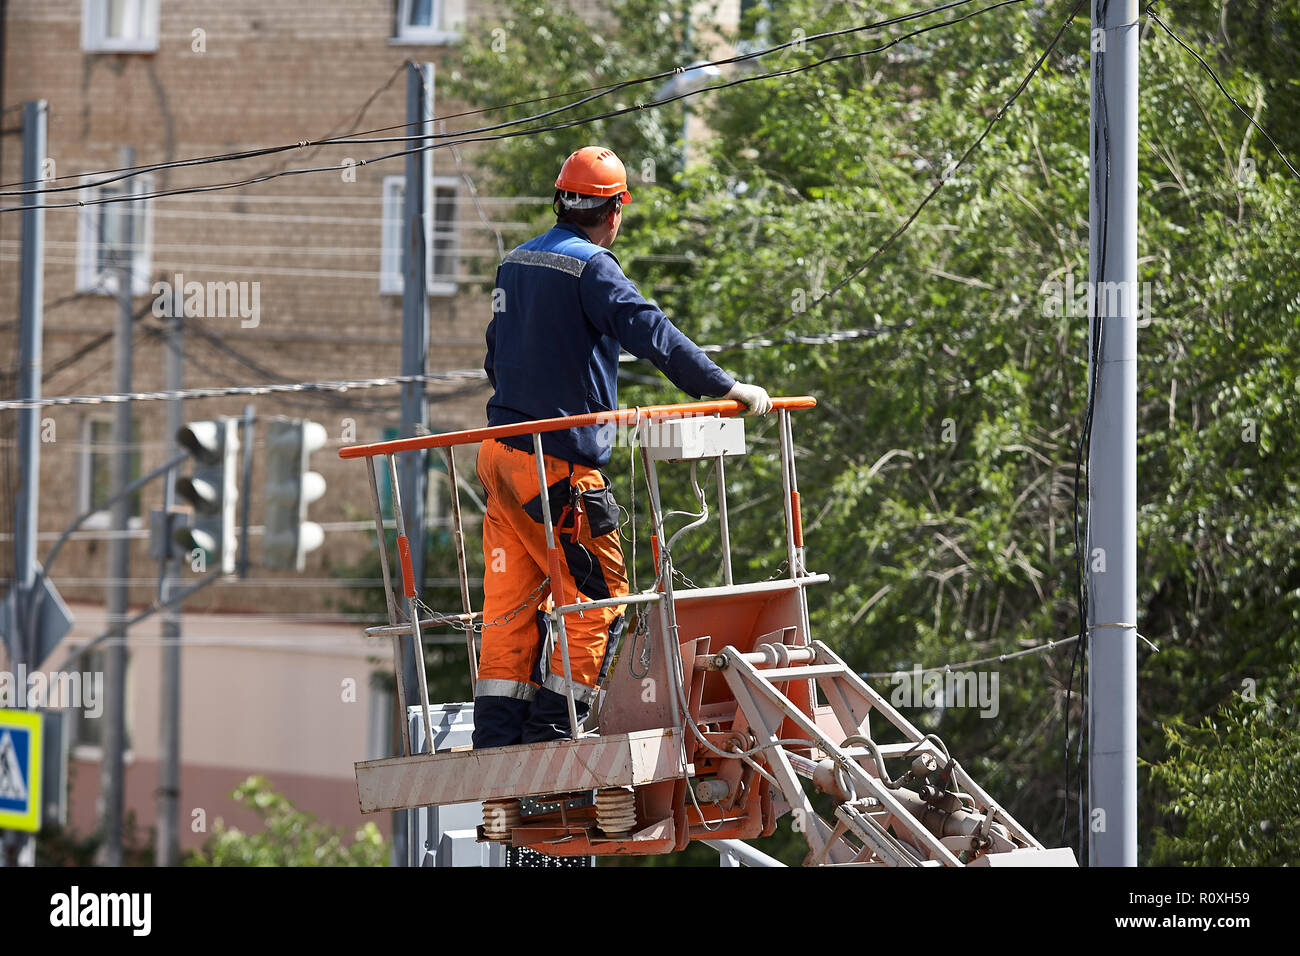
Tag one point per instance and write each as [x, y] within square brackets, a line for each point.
[520, 656]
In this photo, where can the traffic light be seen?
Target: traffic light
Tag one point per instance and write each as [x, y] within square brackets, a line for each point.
[290, 488]
[211, 489]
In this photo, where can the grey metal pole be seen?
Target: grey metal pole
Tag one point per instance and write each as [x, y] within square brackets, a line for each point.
[31, 305]
[1112, 457]
[22, 628]
[167, 839]
[111, 787]
[415, 332]
[415, 351]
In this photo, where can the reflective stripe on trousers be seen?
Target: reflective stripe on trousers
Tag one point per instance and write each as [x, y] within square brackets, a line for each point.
[516, 690]
[582, 694]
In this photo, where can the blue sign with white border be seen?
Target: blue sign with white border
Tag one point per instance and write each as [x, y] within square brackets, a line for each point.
[20, 770]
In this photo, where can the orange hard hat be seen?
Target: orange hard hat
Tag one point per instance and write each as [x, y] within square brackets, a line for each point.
[594, 171]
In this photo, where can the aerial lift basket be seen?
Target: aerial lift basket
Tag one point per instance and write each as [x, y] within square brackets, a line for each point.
[716, 716]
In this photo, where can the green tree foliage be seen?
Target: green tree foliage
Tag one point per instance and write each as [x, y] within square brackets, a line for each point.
[290, 837]
[539, 49]
[1235, 782]
[938, 470]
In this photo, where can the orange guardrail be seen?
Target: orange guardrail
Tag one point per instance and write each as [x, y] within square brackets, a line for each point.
[623, 416]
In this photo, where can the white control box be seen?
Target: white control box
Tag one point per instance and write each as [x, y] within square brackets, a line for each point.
[448, 835]
[685, 439]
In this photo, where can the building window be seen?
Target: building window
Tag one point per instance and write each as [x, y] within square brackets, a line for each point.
[429, 21]
[442, 245]
[96, 485]
[88, 732]
[119, 26]
[390, 267]
[380, 731]
[101, 232]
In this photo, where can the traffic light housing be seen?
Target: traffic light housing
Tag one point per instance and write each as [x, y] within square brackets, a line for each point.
[290, 488]
[211, 489]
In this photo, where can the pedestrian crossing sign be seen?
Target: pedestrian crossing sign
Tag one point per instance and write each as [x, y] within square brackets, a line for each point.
[20, 770]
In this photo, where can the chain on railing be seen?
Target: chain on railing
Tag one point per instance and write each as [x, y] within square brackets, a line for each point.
[456, 620]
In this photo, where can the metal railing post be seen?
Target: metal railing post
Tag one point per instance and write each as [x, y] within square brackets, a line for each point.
[796, 507]
[783, 421]
[557, 583]
[412, 611]
[724, 527]
[664, 574]
[378, 510]
[458, 534]
[793, 521]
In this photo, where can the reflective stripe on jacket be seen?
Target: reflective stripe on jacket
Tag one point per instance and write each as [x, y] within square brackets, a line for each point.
[562, 310]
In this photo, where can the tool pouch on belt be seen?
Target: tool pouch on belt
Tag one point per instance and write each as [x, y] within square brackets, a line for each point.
[601, 508]
[596, 506]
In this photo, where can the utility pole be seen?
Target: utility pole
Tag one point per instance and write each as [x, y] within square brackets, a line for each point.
[122, 231]
[415, 309]
[20, 849]
[1112, 455]
[415, 352]
[167, 842]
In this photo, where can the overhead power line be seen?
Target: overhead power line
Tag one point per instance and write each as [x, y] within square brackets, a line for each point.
[475, 376]
[799, 42]
[994, 659]
[130, 171]
[757, 341]
[925, 201]
[451, 140]
[823, 338]
[963, 665]
[458, 375]
[1223, 89]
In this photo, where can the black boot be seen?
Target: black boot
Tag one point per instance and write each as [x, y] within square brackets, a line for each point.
[499, 721]
[549, 717]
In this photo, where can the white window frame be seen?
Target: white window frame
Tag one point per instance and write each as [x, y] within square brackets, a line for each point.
[444, 283]
[103, 518]
[142, 22]
[379, 730]
[92, 661]
[447, 26]
[91, 278]
[390, 259]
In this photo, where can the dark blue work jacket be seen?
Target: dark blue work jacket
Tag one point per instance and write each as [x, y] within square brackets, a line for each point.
[562, 309]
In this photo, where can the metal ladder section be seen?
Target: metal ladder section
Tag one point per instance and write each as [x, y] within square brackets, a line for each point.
[849, 770]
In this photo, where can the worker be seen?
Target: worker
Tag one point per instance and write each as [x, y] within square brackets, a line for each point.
[562, 310]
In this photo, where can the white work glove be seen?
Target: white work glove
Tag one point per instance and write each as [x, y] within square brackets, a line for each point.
[755, 396]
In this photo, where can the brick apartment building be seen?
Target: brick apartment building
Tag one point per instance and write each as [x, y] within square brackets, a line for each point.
[318, 256]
